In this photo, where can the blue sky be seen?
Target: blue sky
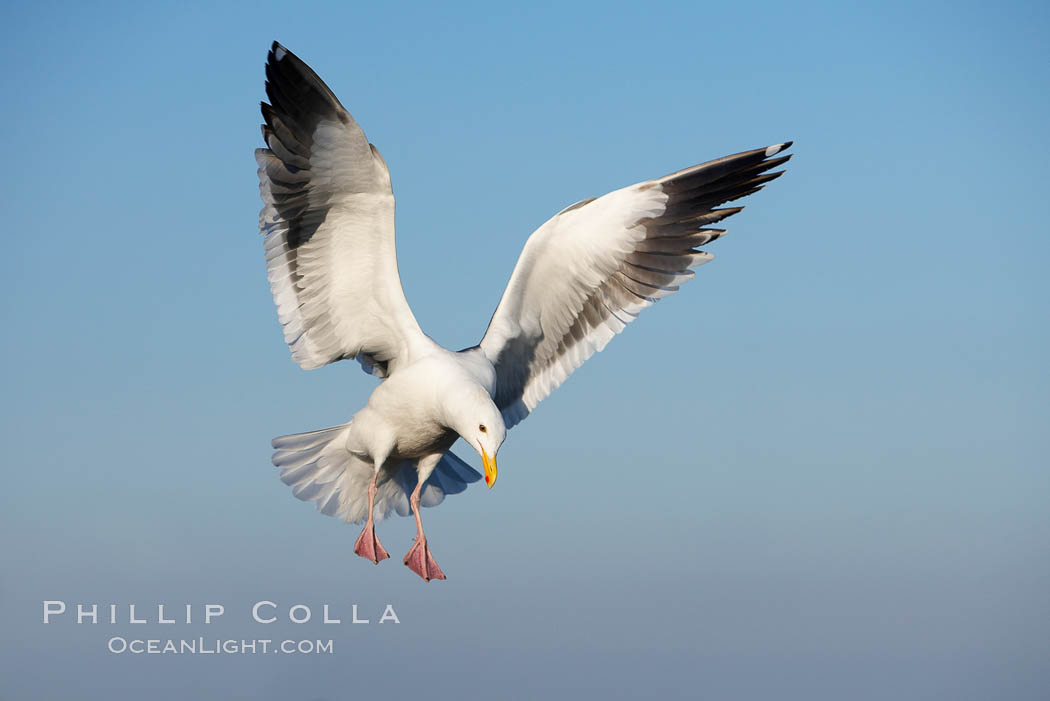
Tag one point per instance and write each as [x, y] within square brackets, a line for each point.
[817, 472]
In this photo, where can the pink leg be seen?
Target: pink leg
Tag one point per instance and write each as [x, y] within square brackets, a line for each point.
[368, 545]
[418, 558]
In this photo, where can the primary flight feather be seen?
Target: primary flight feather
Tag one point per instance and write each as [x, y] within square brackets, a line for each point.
[328, 230]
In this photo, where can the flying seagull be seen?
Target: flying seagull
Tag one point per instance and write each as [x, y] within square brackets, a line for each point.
[328, 231]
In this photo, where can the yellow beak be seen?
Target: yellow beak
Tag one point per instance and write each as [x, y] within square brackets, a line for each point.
[490, 468]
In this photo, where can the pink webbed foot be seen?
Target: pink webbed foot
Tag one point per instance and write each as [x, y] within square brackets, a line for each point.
[368, 545]
[420, 561]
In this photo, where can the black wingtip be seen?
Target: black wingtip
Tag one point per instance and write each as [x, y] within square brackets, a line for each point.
[278, 51]
[777, 148]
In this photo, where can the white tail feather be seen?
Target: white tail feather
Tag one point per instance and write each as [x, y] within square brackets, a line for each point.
[318, 467]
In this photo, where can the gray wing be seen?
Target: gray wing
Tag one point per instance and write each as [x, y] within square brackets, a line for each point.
[328, 227]
[592, 268]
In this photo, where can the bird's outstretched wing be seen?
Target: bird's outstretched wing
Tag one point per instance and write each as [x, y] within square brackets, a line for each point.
[588, 271]
[328, 227]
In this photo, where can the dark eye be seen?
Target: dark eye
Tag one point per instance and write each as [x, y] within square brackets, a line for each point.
[481, 427]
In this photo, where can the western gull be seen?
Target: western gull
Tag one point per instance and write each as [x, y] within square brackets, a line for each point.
[328, 230]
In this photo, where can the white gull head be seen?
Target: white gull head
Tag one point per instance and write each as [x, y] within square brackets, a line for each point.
[470, 412]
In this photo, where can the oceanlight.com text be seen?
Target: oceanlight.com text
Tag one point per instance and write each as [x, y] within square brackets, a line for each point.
[214, 646]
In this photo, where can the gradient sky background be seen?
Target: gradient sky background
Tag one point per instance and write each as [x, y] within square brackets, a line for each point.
[819, 472]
